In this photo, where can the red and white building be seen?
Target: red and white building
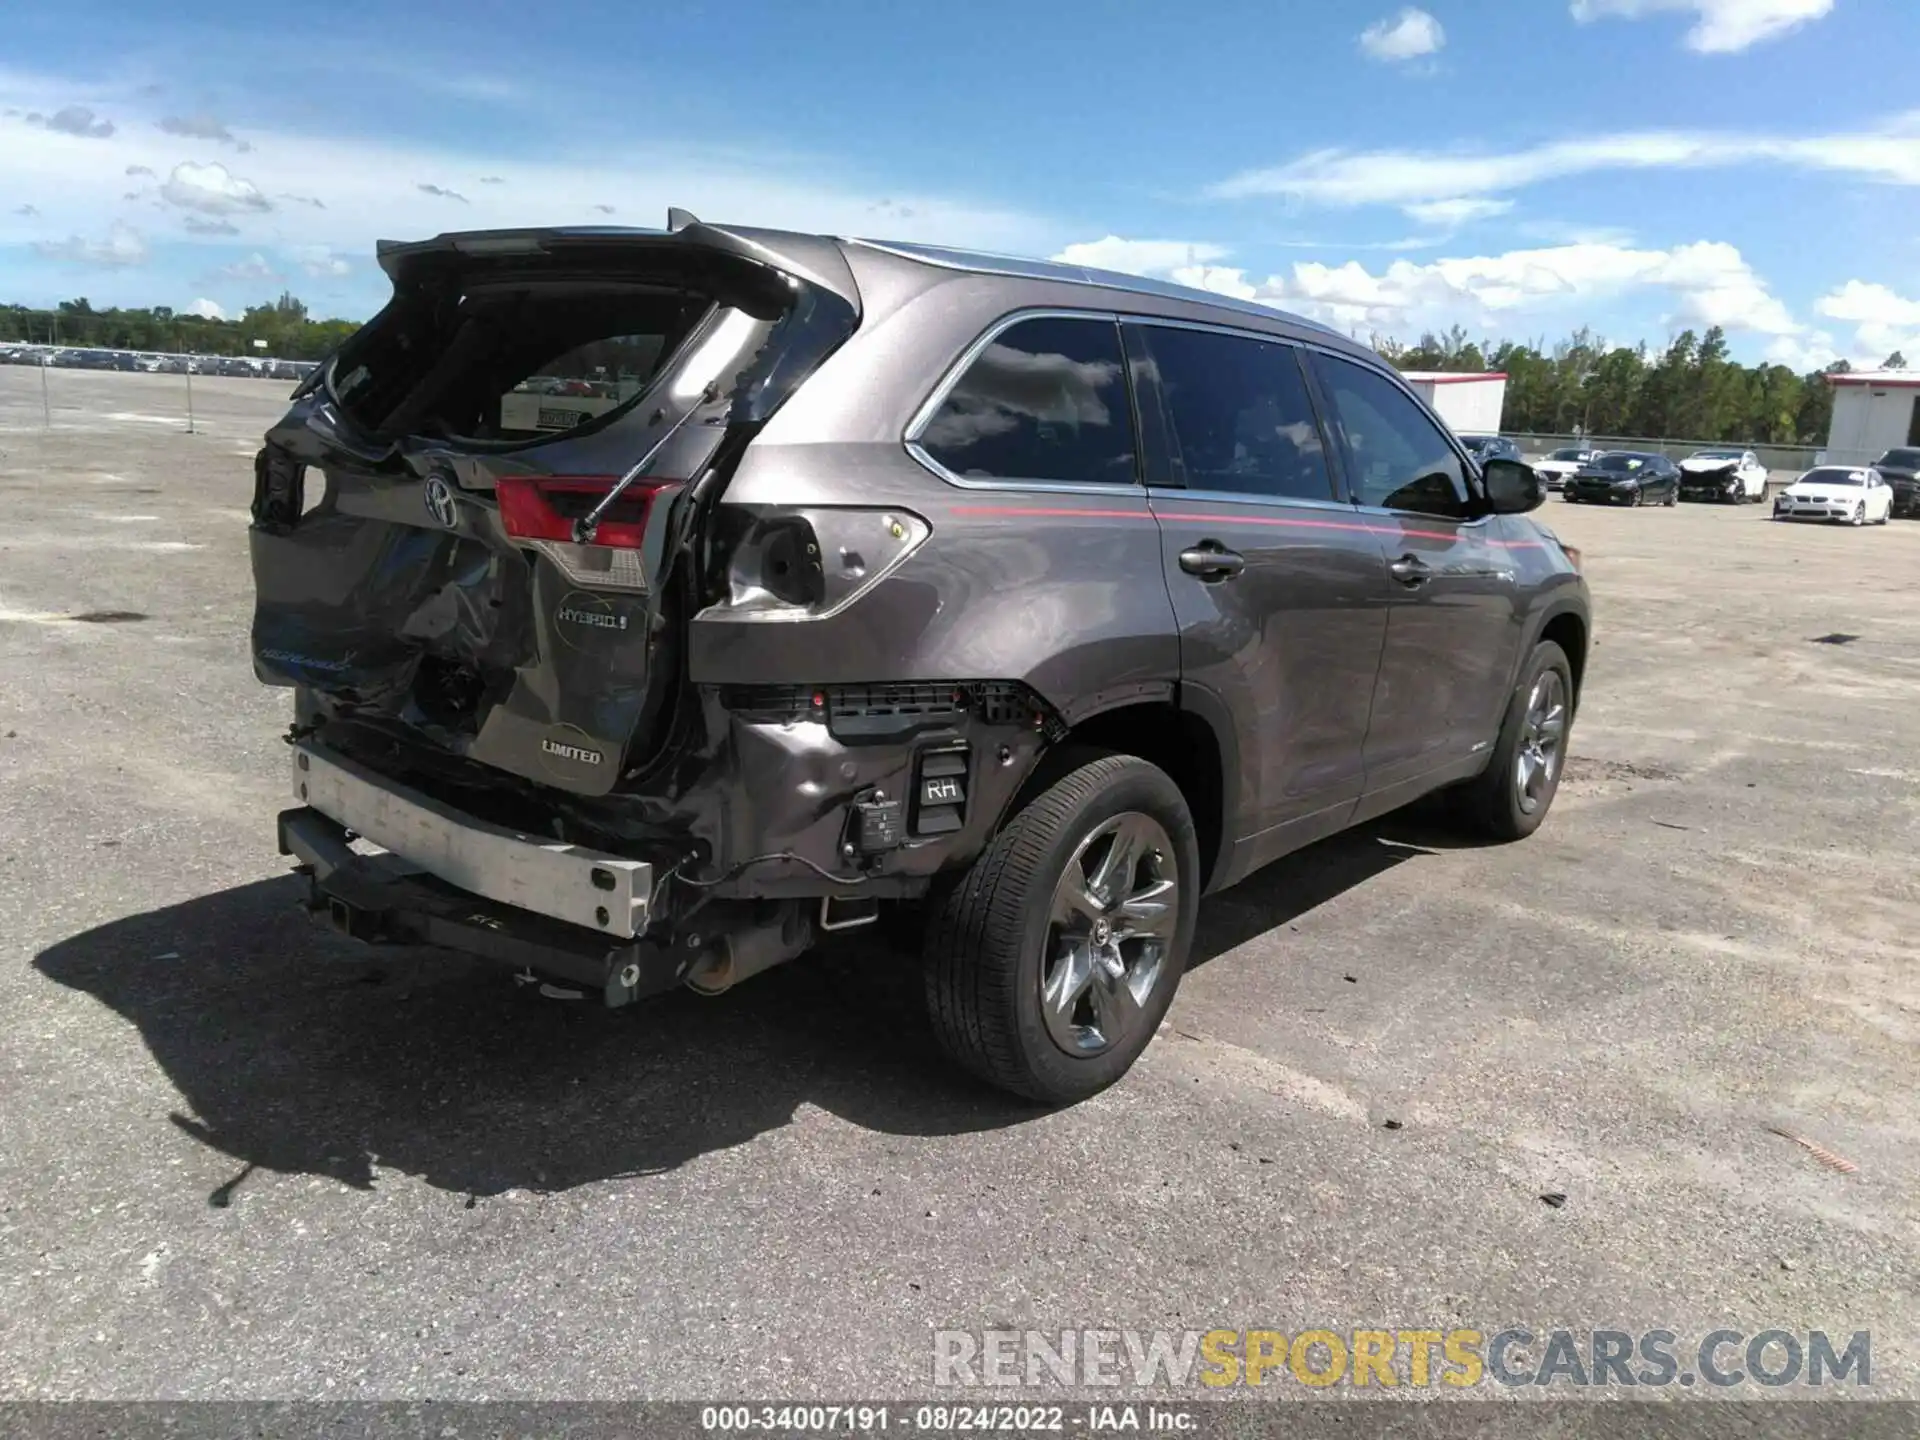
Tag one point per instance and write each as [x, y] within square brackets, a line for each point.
[1873, 412]
[1470, 402]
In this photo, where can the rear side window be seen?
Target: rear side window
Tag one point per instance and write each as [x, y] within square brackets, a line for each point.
[1396, 456]
[1047, 400]
[1239, 413]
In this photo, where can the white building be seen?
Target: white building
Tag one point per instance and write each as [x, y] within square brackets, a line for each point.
[1470, 403]
[1873, 411]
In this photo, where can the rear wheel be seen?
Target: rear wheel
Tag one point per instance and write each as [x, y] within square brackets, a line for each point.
[1050, 964]
[1511, 797]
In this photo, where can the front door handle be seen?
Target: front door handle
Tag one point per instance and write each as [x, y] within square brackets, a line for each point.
[1211, 561]
[1410, 570]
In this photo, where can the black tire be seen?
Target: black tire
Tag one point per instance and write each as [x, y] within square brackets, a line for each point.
[987, 935]
[1490, 805]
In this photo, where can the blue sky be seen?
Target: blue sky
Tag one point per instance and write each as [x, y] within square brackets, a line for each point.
[1521, 167]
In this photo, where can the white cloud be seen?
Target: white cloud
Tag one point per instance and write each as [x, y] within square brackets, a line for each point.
[1867, 304]
[1138, 257]
[206, 310]
[1889, 153]
[1720, 27]
[1406, 36]
[368, 188]
[1221, 279]
[73, 120]
[1804, 353]
[212, 190]
[123, 246]
[254, 267]
[1883, 319]
[1708, 283]
[1452, 214]
[322, 263]
[202, 127]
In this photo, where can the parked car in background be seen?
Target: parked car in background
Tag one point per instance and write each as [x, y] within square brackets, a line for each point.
[1900, 468]
[1555, 468]
[1845, 493]
[670, 728]
[1728, 475]
[1626, 477]
[1490, 447]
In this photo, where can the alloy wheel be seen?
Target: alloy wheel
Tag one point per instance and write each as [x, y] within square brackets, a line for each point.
[1542, 740]
[1110, 931]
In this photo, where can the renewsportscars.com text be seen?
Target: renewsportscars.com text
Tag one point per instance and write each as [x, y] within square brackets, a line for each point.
[1389, 1359]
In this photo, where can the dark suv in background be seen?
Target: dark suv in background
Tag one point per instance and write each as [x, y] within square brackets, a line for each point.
[1490, 447]
[1028, 601]
[1901, 467]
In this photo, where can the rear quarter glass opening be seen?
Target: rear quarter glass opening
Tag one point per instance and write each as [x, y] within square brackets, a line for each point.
[514, 364]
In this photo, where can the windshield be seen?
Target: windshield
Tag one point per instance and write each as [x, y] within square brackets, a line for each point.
[1834, 477]
[1568, 455]
[1621, 464]
[1717, 454]
[1904, 459]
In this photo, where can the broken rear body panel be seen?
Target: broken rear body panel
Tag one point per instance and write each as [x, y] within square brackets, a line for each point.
[805, 665]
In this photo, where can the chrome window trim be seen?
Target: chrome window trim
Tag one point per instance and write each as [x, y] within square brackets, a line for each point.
[1424, 516]
[959, 367]
[1238, 497]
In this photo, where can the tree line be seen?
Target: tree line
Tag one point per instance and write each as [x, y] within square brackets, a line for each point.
[1689, 391]
[290, 332]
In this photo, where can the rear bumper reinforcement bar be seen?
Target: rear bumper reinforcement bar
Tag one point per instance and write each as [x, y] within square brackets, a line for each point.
[386, 899]
[589, 888]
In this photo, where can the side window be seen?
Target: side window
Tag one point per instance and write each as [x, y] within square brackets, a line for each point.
[1047, 400]
[1240, 417]
[1396, 456]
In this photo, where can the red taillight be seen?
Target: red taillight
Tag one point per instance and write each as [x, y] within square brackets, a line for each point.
[545, 509]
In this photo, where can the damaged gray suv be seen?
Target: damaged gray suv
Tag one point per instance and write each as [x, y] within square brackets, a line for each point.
[655, 602]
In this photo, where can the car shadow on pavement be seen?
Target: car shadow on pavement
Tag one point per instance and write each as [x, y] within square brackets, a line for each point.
[297, 1051]
[300, 1052]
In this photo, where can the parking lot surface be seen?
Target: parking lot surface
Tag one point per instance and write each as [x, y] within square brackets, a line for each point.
[241, 1157]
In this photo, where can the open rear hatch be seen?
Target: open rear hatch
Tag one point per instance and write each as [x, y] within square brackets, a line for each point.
[434, 556]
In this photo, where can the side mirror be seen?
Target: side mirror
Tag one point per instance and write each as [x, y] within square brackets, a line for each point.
[1513, 487]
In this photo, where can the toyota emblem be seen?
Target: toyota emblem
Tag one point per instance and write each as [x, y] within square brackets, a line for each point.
[439, 498]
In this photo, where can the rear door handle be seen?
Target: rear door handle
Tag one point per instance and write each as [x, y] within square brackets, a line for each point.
[1212, 561]
[1410, 570]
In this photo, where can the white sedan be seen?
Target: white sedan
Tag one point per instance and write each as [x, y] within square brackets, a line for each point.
[1735, 476]
[1561, 463]
[1836, 492]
